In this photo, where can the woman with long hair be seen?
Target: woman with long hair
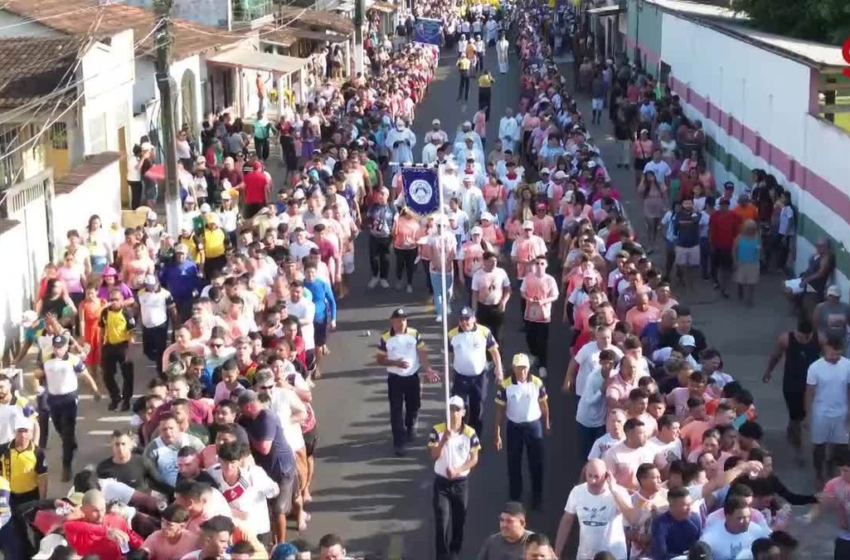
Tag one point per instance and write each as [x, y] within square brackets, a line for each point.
[654, 197]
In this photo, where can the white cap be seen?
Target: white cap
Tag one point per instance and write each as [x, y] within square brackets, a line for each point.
[146, 146]
[591, 164]
[528, 224]
[188, 200]
[560, 174]
[468, 179]
[152, 215]
[205, 208]
[521, 360]
[28, 319]
[687, 340]
[488, 216]
[833, 291]
[187, 226]
[150, 280]
[435, 121]
[48, 545]
[22, 423]
[545, 171]
[457, 402]
[225, 195]
[476, 231]
[299, 195]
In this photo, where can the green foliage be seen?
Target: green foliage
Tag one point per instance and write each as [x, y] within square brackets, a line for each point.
[824, 21]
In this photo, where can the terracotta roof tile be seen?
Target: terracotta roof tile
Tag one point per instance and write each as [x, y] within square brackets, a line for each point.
[76, 17]
[33, 67]
[321, 20]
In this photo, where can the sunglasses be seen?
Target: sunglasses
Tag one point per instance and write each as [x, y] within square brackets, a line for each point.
[267, 387]
[217, 345]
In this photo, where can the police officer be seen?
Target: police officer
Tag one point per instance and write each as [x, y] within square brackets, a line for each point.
[469, 344]
[402, 351]
[522, 398]
[61, 371]
[454, 448]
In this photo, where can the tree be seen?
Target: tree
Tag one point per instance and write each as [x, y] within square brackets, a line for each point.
[823, 21]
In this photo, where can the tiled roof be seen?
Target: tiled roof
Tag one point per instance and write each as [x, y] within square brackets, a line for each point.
[307, 18]
[88, 168]
[33, 67]
[81, 17]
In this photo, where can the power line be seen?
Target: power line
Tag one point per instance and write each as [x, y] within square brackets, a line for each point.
[32, 19]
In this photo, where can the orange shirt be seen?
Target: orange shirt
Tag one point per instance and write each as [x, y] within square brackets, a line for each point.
[747, 212]
[542, 287]
[406, 233]
[473, 255]
[545, 228]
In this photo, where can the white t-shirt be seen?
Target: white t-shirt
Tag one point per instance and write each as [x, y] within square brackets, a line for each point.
[601, 446]
[830, 382]
[669, 452]
[305, 311]
[588, 360]
[591, 409]
[726, 546]
[249, 495]
[284, 403]
[600, 522]
[623, 461]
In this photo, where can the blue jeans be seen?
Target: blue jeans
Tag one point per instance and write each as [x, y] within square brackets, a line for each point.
[436, 284]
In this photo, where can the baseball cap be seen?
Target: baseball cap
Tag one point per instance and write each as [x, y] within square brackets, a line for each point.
[545, 171]
[687, 340]
[833, 291]
[22, 423]
[457, 402]
[247, 397]
[487, 216]
[60, 340]
[469, 179]
[528, 224]
[212, 219]
[466, 313]
[225, 195]
[399, 314]
[476, 231]
[521, 360]
[28, 319]
[150, 280]
[205, 208]
[435, 121]
[152, 215]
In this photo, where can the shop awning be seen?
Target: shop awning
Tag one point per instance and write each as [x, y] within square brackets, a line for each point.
[606, 11]
[243, 58]
[383, 7]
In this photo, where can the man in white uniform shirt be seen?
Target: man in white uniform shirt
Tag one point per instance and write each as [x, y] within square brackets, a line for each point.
[156, 307]
[305, 311]
[732, 539]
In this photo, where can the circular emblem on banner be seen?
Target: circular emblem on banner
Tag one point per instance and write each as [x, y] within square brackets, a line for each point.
[420, 191]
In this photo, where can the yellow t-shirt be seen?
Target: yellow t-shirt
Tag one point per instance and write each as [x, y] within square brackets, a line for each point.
[118, 325]
[23, 468]
[485, 81]
[214, 243]
[463, 64]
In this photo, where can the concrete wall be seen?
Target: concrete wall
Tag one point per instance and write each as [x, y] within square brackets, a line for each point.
[17, 284]
[643, 28]
[13, 25]
[207, 12]
[754, 106]
[99, 194]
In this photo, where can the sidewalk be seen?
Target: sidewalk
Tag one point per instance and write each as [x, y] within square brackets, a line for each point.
[745, 337]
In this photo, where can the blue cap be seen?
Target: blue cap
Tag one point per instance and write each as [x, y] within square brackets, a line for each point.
[466, 313]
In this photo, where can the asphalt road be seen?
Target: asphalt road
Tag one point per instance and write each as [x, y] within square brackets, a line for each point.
[382, 504]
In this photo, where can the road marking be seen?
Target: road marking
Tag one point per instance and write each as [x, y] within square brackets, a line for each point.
[395, 551]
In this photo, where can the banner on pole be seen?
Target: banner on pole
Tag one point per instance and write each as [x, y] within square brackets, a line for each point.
[427, 31]
[421, 190]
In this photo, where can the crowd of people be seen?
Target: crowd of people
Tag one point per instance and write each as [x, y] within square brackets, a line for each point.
[236, 310]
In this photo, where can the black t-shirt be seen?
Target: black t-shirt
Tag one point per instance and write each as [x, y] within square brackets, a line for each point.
[671, 339]
[279, 463]
[203, 476]
[133, 473]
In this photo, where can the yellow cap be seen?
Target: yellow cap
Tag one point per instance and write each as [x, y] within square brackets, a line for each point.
[521, 360]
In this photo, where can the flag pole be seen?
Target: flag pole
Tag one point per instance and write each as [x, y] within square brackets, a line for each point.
[446, 302]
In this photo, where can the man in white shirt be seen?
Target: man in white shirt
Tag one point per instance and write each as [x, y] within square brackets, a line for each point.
[596, 504]
[304, 310]
[509, 130]
[732, 539]
[827, 403]
[624, 458]
[587, 359]
[156, 307]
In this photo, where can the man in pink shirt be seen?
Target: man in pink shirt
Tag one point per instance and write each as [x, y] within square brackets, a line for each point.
[678, 397]
[526, 248]
[642, 313]
[624, 458]
[544, 225]
[539, 290]
[329, 251]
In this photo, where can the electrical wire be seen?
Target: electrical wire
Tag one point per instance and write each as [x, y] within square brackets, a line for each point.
[33, 19]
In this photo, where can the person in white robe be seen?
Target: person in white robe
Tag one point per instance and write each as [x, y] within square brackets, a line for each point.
[460, 140]
[502, 46]
[509, 131]
[429, 152]
[472, 200]
[449, 180]
[436, 131]
[492, 31]
[400, 142]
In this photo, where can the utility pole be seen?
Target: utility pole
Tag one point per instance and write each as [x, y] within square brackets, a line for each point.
[164, 40]
[359, 20]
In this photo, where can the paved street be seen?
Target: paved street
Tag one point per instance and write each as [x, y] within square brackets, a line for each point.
[382, 504]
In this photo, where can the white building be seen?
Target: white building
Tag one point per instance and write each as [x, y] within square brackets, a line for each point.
[766, 102]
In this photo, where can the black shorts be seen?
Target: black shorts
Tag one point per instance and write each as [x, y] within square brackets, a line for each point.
[320, 333]
[311, 439]
[722, 259]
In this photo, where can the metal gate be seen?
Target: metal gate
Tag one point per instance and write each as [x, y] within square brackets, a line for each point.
[30, 202]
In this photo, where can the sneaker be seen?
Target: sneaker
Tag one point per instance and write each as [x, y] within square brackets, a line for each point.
[372, 283]
[384, 283]
[542, 373]
[439, 318]
[409, 289]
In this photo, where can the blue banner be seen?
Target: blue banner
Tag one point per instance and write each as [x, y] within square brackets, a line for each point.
[427, 31]
[421, 190]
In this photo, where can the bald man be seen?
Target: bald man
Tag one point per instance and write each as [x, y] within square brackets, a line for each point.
[598, 512]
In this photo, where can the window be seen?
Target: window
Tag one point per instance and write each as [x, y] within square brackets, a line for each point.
[96, 128]
[58, 136]
[246, 11]
[10, 155]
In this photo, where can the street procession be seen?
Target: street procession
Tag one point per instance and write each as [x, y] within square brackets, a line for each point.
[473, 289]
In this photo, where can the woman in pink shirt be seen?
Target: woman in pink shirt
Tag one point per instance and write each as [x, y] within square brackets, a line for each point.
[491, 232]
[74, 278]
[539, 290]
[405, 234]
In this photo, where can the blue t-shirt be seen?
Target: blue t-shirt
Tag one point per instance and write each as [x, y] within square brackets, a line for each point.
[279, 463]
[323, 299]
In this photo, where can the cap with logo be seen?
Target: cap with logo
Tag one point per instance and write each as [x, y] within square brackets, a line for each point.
[521, 360]
[60, 340]
[398, 314]
[466, 313]
[457, 402]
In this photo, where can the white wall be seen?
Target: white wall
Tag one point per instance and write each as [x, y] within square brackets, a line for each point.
[13, 25]
[770, 95]
[99, 194]
[17, 284]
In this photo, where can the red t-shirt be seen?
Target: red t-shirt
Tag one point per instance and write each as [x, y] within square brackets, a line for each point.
[723, 228]
[255, 187]
[88, 538]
